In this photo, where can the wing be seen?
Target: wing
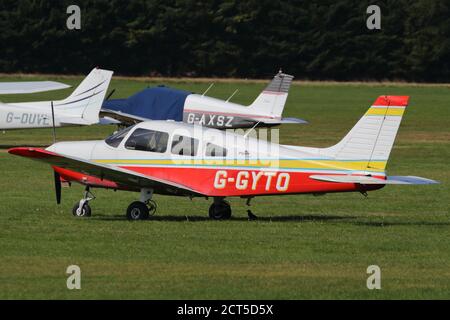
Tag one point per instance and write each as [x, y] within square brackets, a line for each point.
[126, 178]
[372, 180]
[30, 87]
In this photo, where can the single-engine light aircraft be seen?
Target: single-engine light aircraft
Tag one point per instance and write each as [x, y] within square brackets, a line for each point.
[172, 158]
[82, 107]
[164, 103]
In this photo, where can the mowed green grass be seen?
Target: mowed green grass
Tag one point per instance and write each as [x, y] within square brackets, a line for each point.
[302, 247]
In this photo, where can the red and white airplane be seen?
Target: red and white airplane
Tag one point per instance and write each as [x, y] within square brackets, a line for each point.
[164, 157]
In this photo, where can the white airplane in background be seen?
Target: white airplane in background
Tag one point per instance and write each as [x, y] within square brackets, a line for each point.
[265, 111]
[164, 103]
[82, 107]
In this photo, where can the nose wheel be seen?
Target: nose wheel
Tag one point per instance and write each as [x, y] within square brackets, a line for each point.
[84, 211]
[220, 210]
[82, 208]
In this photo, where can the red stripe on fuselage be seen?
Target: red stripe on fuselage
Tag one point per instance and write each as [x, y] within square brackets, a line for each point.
[226, 182]
[238, 182]
[241, 115]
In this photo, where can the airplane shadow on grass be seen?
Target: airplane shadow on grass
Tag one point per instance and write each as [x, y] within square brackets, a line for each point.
[284, 218]
[197, 218]
[401, 223]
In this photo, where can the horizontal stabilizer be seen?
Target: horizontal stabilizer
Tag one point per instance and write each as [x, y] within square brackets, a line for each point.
[372, 180]
[30, 87]
[293, 120]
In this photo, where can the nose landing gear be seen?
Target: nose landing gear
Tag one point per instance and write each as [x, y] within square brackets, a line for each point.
[82, 208]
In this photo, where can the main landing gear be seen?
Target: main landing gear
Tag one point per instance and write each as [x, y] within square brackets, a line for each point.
[146, 207]
[220, 209]
[82, 208]
[143, 209]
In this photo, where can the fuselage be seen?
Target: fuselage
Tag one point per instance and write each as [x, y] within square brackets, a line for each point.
[214, 162]
[30, 116]
[219, 114]
[18, 117]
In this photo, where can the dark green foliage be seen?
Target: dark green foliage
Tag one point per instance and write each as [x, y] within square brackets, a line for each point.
[315, 39]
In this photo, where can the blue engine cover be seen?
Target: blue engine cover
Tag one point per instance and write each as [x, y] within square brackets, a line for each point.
[157, 103]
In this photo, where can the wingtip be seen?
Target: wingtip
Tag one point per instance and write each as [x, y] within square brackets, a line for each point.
[20, 151]
[30, 152]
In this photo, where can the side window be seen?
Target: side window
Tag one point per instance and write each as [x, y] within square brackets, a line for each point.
[148, 140]
[213, 150]
[184, 146]
[115, 139]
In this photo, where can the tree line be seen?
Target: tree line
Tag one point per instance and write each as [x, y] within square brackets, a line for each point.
[312, 39]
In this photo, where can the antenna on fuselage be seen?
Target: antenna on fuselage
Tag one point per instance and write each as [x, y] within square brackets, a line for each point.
[232, 95]
[210, 86]
[252, 128]
[53, 122]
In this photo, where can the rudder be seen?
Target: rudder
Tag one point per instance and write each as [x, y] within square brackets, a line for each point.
[372, 138]
[273, 98]
[87, 99]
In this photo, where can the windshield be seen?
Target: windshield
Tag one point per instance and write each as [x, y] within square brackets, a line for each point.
[115, 139]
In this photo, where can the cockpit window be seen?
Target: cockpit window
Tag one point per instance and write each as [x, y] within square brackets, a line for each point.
[148, 140]
[213, 150]
[115, 139]
[184, 146]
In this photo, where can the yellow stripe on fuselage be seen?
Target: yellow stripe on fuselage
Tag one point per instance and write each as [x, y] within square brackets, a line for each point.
[385, 111]
[376, 166]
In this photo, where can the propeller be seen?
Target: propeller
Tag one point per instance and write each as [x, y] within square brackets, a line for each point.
[57, 187]
[110, 94]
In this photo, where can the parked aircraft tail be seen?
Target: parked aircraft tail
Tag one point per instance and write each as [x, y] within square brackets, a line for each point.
[273, 98]
[87, 99]
[372, 138]
[370, 143]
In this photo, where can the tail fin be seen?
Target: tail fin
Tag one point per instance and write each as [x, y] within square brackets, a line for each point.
[87, 99]
[272, 100]
[372, 138]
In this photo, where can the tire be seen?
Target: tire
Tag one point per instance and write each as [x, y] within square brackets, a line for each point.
[220, 211]
[84, 212]
[137, 211]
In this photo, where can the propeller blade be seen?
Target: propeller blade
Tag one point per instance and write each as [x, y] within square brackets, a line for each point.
[110, 94]
[57, 187]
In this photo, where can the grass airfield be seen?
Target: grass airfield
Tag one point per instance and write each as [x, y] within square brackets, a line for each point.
[302, 247]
